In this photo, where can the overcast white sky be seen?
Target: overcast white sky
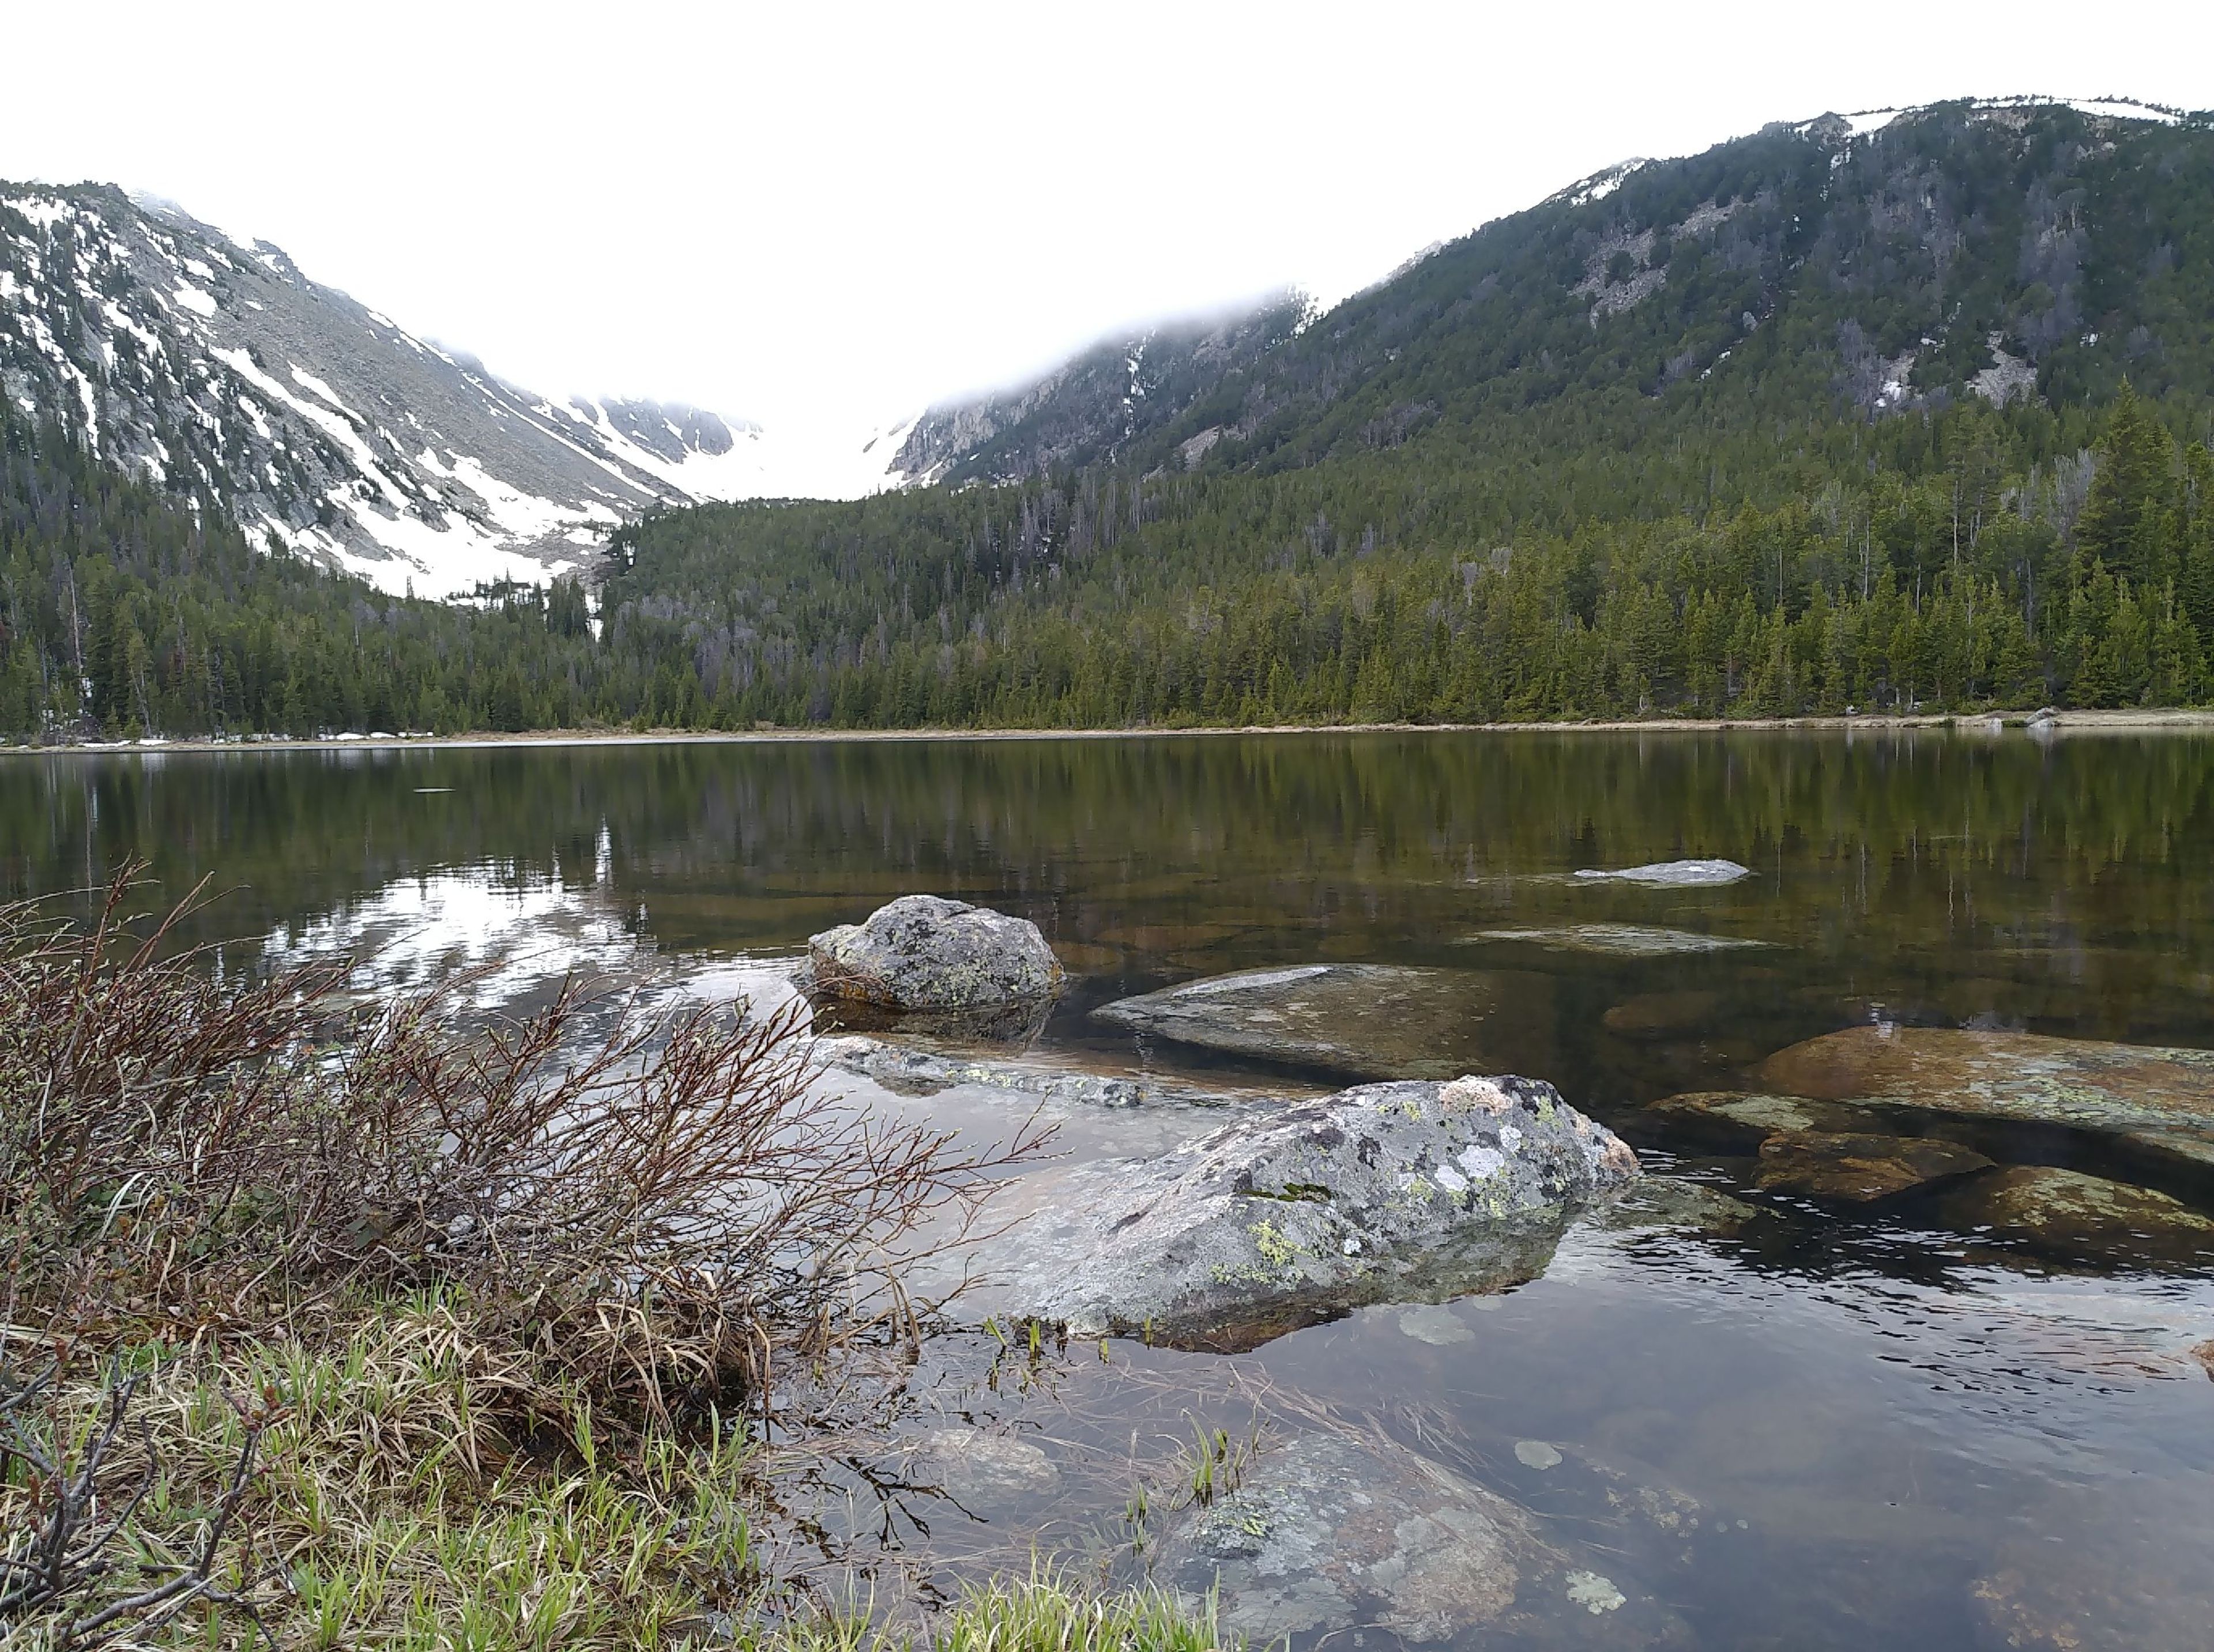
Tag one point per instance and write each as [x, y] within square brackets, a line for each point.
[818, 214]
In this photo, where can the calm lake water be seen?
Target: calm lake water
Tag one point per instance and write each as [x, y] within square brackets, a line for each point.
[1841, 1427]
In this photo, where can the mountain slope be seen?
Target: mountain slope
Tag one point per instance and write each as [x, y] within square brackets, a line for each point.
[219, 370]
[1869, 264]
[1095, 405]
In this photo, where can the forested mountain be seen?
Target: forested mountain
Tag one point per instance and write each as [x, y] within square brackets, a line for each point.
[208, 367]
[1881, 263]
[1869, 413]
[1877, 412]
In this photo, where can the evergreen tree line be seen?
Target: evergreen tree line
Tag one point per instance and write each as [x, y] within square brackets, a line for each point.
[1968, 559]
[125, 612]
[1949, 560]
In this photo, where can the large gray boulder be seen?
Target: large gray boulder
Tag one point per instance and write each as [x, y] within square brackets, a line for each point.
[923, 952]
[1396, 1191]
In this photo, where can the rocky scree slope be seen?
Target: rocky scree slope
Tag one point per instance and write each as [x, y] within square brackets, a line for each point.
[218, 371]
[2011, 249]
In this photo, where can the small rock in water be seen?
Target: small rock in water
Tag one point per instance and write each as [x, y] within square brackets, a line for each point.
[1410, 1191]
[1536, 1454]
[1674, 875]
[922, 953]
[1859, 1168]
[2068, 1214]
[1365, 1021]
[1736, 1122]
[2203, 1353]
[1334, 1530]
[1594, 1594]
[1622, 940]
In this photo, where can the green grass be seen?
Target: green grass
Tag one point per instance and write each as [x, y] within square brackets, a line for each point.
[405, 1500]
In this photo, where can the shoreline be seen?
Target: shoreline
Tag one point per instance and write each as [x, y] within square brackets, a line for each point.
[1978, 723]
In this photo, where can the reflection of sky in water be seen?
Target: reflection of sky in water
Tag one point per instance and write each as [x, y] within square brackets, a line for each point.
[522, 931]
[516, 932]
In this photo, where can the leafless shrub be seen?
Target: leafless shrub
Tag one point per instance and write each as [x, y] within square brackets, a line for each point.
[653, 1205]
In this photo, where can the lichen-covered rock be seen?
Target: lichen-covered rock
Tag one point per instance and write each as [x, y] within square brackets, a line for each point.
[1859, 1168]
[1334, 1530]
[2081, 1083]
[1364, 1021]
[923, 952]
[2068, 1214]
[1398, 1192]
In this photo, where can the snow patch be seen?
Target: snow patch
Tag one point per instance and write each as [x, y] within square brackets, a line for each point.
[302, 376]
[200, 304]
[1599, 185]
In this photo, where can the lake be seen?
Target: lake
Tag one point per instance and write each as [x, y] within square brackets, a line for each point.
[1835, 1424]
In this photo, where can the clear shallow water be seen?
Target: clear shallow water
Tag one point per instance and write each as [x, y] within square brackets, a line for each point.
[1929, 1445]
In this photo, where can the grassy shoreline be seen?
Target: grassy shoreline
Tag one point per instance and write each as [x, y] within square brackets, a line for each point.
[327, 1326]
[2147, 721]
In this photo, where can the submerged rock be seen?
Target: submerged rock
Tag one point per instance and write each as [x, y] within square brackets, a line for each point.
[1365, 1021]
[1736, 1122]
[922, 953]
[1334, 1530]
[1672, 875]
[1405, 1191]
[2067, 1214]
[2081, 1083]
[1672, 1201]
[2132, 1577]
[1662, 1014]
[2157, 1104]
[1859, 1168]
[1622, 940]
[977, 1466]
[909, 1071]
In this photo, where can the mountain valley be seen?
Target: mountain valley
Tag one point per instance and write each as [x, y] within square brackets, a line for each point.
[1886, 411]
